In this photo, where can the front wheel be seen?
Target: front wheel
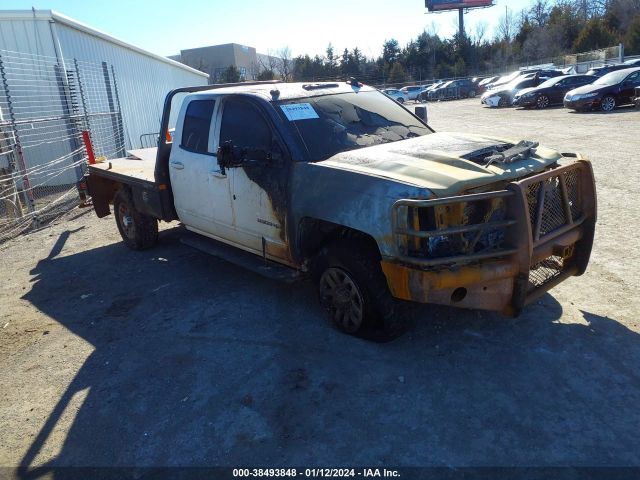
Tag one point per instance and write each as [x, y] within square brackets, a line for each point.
[542, 101]
[138, 231]
[354, 291]
[471, 94]
[608, 103]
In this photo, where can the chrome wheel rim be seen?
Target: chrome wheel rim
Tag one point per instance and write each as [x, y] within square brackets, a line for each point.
[340, 295]
[543, 101]
[126, 220]
[608, 104]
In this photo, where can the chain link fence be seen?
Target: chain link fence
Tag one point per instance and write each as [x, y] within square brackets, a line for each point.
[44, 108]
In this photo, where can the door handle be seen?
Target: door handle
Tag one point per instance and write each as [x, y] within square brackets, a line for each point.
[217, 174]
[177, 165]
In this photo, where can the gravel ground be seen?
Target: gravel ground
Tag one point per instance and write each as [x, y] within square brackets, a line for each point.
[171, 357]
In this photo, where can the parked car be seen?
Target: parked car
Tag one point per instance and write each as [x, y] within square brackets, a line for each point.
[438, 92]
[606, 93]
[503, 80]
[550, 92]
[541, 74]
[633, 63]
[412, 92]
[605, 69]
[424, 95]
[396, 94]
[503, 96]
[482, 85]
[462, 88]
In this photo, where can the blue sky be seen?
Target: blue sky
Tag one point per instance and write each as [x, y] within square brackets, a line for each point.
[166, 26]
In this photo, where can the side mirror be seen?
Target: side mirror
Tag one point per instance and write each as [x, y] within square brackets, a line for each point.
[228, 155]
[421, 113]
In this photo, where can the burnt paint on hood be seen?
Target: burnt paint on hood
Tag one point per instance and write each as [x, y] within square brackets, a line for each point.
[435, 162]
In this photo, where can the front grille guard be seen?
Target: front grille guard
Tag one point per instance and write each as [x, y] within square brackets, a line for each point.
[550, 220]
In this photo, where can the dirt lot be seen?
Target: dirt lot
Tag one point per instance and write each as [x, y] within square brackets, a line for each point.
[171, 357]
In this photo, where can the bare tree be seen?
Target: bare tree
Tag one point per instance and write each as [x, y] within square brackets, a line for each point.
[507, 25]
[269, 61]
[480, 30]
[539, 12]
[285, 63]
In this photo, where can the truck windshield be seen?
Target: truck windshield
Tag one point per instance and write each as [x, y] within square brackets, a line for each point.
[330, 124]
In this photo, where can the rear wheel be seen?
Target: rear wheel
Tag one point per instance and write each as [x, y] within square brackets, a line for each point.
[354, 291]
[472, 94]
[542, 101]
[138, 231]
[608, 103]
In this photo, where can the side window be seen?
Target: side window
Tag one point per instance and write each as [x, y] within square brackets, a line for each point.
[244, 126]
[197, 122]
[634, 78]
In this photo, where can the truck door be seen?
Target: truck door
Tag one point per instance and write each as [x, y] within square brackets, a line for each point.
[201, 192]
[258, 188]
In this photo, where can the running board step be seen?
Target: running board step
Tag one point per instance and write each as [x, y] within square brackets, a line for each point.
[241, 258]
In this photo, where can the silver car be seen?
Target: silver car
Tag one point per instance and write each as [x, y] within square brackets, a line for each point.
[412, 92]
[398, 95]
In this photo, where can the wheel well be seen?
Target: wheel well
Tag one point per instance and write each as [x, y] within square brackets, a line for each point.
[314, 234]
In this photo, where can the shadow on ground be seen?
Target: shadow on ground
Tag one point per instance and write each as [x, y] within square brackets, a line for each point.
[198, 362]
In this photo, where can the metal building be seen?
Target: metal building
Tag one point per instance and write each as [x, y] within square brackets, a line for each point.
[61, 80]
[143, 78]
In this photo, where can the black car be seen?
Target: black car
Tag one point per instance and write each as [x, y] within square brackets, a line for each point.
[551, 92]
[615, 88]
[605, 69]
[463, 88]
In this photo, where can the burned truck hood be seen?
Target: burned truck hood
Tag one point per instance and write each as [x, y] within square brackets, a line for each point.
[446, 163]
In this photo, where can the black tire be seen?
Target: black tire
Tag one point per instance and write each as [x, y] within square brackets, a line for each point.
[542, 101]
[502, 102]
[471, 94]
[359, 301]
[138, 231]
[608, 103]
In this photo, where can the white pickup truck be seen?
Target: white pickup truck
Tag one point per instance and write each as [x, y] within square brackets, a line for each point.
[338, 181]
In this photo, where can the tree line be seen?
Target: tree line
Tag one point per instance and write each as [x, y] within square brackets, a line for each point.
[545, 31]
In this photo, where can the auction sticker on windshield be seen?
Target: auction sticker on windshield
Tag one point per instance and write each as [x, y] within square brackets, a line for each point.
[299, 111]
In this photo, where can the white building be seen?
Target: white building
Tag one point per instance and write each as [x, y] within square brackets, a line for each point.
[59, 77]
[143, 78]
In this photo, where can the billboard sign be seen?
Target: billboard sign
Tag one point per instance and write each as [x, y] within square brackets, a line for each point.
[439, 5]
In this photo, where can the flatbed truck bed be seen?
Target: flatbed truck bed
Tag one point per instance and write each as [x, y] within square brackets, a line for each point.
[137, 169]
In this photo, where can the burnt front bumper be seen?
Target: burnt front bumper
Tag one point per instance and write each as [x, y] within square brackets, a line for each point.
[495, 250]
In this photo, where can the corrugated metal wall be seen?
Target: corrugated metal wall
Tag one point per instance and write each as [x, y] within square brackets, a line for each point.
[31, 35]
[143, 81]
[30, 58]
